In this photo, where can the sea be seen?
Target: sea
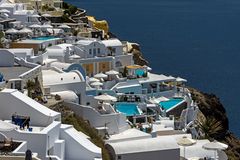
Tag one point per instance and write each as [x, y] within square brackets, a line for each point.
[195, 39]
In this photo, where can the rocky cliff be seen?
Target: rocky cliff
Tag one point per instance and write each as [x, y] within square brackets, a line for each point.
[212, 108]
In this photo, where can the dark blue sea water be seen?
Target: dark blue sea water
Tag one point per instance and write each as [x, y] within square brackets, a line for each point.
[195, 39]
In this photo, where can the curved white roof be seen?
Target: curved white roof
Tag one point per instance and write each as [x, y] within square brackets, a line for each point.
[51, 77]
[144, 145]
[112, 42]
[60, 65]
[55, 52]
[68, 96]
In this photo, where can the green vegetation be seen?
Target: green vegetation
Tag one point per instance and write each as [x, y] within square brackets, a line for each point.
[210, 127]
[47, 8]
[34, 89]
[69, 9]
[68, 117]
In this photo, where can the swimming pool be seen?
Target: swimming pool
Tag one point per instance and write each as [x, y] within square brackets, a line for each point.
[45, 38]
[129, 109]
[170, 103]
[139, 72]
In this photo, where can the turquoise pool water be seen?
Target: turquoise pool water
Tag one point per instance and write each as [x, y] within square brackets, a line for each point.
[139, 72]
[44, 38]
[130, 109]
[170, 103]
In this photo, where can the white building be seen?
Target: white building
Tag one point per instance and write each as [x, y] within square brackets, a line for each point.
[16, 69]
[71, 86]
[147, 148]
[93, 54]
[47, 137]
[19, 12]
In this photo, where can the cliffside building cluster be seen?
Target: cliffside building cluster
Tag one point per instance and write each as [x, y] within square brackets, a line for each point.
[139, 114]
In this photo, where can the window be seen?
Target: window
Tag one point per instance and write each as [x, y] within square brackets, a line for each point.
[113, 50]
[94, 52]
[98, 50]
[103, 66]
[90, 51]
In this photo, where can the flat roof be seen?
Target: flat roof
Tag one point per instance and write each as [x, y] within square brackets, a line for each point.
[13, 72]
[52, 77]
[144, 145]
[156, 78]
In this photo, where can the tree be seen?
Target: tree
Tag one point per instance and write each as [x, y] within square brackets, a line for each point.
[210, 127]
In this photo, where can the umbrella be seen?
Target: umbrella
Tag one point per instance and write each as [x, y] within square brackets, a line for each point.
[100, 75]
[92, 79]
[105, 97]
[5, 126]
[4, 11]
[47, 26]
[74, 56]
[25, 30]
[34, 26]
[64, 26]
[46, 15]
[185, 141]
[112, 72]
[179, 79]
[11, 31]
[96, 84]
[215, 145]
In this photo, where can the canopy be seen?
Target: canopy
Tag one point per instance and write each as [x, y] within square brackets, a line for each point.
[5, 126]
[96, 84]
[179, 79]
[47, 26]
[46, 15]
[92, 79]
[105, 97]
[11, 31]
[4, 11]
[64, 26]
[215, 145]
[34, 26]
[25, 30]
[112, 72]
[100, 75]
